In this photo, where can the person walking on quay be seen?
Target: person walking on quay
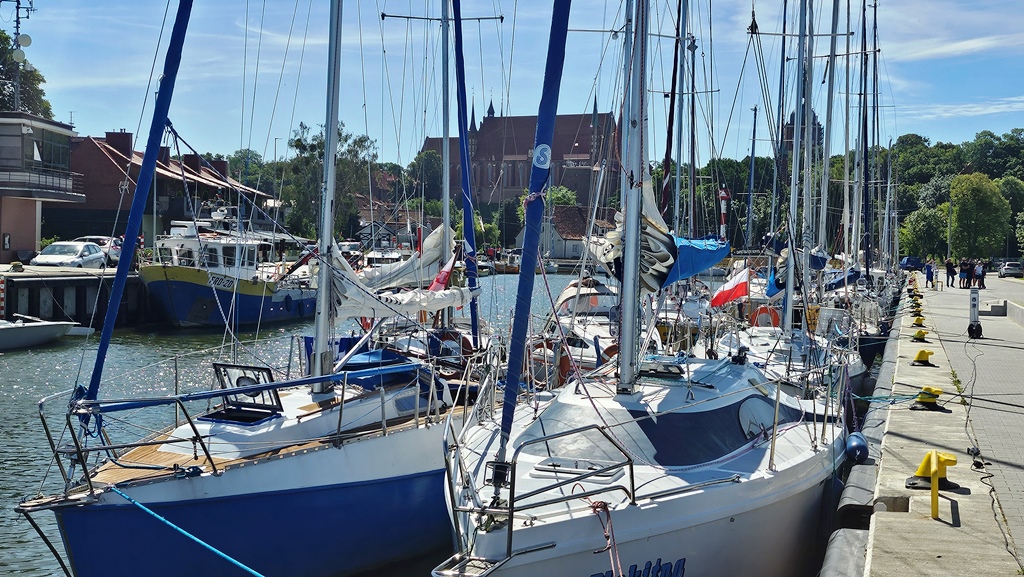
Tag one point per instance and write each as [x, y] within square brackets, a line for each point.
[964, 265]
[979, 274]
[929, 274]
[950, 272]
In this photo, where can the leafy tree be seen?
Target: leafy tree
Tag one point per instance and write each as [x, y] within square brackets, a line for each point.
[981, 216]
[305, 175]
[561, 196]
[935, 191]
[923, 232]
[425, 171]
[33, 97]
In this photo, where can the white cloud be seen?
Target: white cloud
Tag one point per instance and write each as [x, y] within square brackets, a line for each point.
[964, 109]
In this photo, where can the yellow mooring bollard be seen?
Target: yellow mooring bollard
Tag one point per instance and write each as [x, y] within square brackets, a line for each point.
[919, 336]
[918, 322]
[931, 474]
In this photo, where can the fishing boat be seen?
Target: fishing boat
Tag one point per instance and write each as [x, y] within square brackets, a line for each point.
[329, 473]
[202, 276]
[656, 460]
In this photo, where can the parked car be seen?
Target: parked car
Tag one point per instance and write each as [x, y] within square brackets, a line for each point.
[110, 245]
[71, 253]
[1011, 269]
[911, 263]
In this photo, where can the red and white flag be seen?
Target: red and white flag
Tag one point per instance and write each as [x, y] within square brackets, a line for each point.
[737, 287]
[441, 280]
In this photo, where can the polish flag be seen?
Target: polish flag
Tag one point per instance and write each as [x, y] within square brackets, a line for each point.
[737, 287]
[441, 280]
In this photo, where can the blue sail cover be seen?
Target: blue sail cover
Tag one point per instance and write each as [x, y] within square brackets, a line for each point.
[694, 256]
[849, 278]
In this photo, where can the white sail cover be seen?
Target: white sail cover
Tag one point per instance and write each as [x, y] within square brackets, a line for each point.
[657, 245]
[413, 271]
[351, 298]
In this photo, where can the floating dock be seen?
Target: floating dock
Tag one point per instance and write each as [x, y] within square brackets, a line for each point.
[80, 295]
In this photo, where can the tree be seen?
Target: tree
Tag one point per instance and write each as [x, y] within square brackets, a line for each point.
[508, 222]
[33, 98]
[425, 171]
[935, 191]
[301, 192]
[981, 216]
[561, 196]
[923, 232]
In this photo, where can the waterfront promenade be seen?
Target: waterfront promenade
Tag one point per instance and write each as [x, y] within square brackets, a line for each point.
[979, 420]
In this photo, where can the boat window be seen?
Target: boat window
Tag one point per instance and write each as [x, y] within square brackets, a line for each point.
[210, 256]
[163, 254]
[228, 252]
[186, 257]
[250, 256]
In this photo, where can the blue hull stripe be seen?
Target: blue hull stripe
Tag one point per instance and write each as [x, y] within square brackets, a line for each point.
[317, 532]
[187, 304]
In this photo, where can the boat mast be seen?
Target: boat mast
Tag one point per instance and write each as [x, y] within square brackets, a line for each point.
[865, 174]
[323, 359]
[468, 227]
[750, 182]
[681, 68]
[446, 173]
[780, 146]
[794, 184]
[636, 168]
[143, 184]
[534, 214]
[826, 164]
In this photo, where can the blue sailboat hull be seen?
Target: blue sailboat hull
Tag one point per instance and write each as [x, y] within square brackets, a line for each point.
[192, 302]
[325, 531]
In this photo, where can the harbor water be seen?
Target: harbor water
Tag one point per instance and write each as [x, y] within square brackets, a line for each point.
[148, 361]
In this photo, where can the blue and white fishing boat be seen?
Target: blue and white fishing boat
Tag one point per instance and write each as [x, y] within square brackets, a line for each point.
[671, 465]
[323, 475]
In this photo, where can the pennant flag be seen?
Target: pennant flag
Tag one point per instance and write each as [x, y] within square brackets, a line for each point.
[441, 280]
[737, 287]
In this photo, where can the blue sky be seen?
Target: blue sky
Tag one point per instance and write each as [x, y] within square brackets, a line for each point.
[947, 69]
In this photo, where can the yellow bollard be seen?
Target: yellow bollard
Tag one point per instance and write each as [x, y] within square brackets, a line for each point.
[918, 322]
[931, 474]
[923, 358]
[919, 336]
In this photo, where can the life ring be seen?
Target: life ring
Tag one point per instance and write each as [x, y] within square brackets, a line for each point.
[764, 316]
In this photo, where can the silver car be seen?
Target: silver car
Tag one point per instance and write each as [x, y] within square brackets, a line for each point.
[110, 245]
[1011, 269]
[71, 253]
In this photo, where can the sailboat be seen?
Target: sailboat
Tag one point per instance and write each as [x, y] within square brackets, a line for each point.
[656, 460]
[327, 474]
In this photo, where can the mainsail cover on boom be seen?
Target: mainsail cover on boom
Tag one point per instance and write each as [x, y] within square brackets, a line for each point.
[664, 258]
[351, 298]
[411, 271]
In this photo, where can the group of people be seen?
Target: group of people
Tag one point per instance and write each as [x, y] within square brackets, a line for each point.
[971, 273]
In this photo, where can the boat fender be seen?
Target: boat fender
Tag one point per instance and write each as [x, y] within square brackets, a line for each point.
[857, 447]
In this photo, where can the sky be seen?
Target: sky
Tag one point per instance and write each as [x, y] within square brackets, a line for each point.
[251, 71]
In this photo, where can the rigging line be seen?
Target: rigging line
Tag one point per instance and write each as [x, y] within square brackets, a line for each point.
[277, 186]
[280, 82]
[245, 61]
[255, 84]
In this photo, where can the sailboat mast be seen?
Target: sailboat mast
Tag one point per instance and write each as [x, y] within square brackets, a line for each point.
[826, 160]
[534, 213]
[681, 67]
[865, 173]
[323, 360]
[750, 182]
[780, 146]
[636, 168]
[794, 184]
[627, 47]
[468, 227]
[172, 60]
[692, 185]
[446, 173]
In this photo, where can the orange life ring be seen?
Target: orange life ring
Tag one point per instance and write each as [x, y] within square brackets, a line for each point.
[764, 316]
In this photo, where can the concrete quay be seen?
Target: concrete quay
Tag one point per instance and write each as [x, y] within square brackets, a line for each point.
[887, 529]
